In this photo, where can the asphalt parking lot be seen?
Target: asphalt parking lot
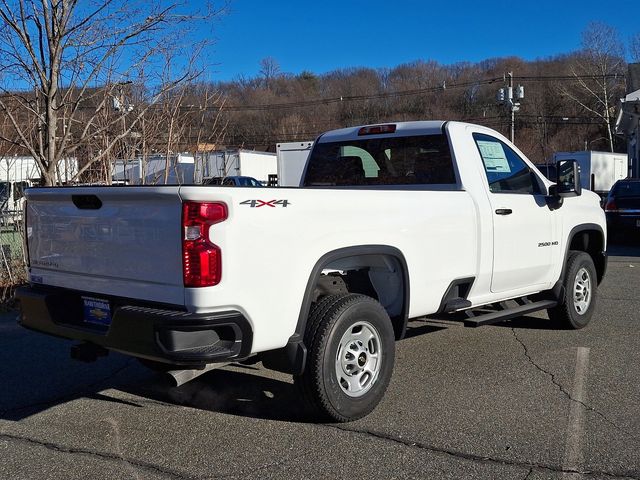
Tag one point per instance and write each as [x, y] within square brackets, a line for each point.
[515, 400]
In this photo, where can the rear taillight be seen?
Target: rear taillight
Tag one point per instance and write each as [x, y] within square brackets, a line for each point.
[611, 206]
[201, 259]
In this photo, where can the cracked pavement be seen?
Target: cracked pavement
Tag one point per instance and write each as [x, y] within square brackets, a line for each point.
[492, 402]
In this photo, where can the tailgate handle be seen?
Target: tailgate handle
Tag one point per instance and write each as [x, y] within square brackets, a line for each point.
[86, 202]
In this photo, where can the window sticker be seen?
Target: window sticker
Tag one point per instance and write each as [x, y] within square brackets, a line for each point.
[495, 160]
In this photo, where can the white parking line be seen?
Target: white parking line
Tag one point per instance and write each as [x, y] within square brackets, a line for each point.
[573, 455]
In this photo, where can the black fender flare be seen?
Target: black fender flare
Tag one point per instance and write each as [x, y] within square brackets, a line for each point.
[292, 357]
[360, 250]
[601, 262]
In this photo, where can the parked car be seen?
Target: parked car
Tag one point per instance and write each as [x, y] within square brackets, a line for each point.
[623, 207]
[548, 170]
[238, 181]
[391, 222]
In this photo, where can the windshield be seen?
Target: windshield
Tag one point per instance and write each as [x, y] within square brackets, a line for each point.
[627, 189]
[248, 182]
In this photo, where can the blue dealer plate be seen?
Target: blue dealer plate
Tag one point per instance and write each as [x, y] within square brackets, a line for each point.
[96, 310]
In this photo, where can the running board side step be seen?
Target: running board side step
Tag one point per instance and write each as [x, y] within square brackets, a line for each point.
[500, 316]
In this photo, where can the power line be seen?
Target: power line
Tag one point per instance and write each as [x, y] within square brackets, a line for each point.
[445, 86]
[388, 95]
[489, 121]
[418, 91]
[552, 78]
[352, 98]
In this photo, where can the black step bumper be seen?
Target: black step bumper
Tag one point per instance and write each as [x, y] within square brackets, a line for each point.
[156, 333]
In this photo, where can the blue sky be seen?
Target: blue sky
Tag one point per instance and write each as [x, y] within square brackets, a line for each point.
[332, 34]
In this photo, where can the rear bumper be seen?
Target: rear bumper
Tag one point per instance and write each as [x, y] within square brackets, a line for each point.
[623, 222]
[162, 334]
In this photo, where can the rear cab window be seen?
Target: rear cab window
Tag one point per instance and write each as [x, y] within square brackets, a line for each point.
[413, 160]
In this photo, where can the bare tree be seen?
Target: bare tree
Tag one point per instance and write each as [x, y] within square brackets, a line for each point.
[595, 69]
[64, 63]
[634, 48]
[269, 70]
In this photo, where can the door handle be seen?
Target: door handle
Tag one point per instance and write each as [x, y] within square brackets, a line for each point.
[504, 211]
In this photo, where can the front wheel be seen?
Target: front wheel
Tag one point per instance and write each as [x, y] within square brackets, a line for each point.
[351, 351]
[581, 283]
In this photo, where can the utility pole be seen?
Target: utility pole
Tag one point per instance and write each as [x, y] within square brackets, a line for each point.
[513, 107]
[122, 105]
[506, 98]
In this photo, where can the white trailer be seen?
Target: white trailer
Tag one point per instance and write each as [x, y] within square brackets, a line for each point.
[599, 170]
[132, 171]
[127, 171]
[246, 163]
[20, 172]
[181, 170]
[292, 157]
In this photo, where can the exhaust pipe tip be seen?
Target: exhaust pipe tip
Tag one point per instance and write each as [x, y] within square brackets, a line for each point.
[180, 377]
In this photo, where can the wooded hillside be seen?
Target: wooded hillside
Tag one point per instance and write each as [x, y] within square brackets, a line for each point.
[565, 108]
[98, 111]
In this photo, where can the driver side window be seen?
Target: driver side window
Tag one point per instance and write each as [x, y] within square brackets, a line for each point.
[506, 171]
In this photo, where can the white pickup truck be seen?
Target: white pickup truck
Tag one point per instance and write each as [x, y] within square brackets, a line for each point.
[391, 222]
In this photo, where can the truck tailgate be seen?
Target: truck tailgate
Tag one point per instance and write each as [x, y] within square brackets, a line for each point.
[115, 241]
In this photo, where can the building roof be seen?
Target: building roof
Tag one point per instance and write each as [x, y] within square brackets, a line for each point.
[628, 114]
[633, 77]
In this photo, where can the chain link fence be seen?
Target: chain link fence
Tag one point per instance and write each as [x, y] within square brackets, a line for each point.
[12, 265]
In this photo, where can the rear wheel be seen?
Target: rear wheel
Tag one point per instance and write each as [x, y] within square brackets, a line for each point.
[576, 308]
[351, 350]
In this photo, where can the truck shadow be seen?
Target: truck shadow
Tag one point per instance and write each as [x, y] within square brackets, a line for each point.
[244, 390]
[417, 328]
[527, 322]
[38, 375]
[234, 390]
[252, 391]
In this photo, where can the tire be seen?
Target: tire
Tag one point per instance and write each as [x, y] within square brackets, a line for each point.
[351, 352]
[581, 286]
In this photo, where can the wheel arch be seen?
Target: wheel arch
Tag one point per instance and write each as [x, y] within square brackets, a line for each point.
[357, 253]
[292, 358]
[588, 238]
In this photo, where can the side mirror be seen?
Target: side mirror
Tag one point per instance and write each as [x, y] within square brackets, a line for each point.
[568, 179]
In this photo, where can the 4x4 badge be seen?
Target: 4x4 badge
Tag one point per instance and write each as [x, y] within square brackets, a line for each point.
[266, 203]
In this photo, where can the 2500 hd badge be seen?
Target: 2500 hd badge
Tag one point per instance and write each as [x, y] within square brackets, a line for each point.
[548, 244]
